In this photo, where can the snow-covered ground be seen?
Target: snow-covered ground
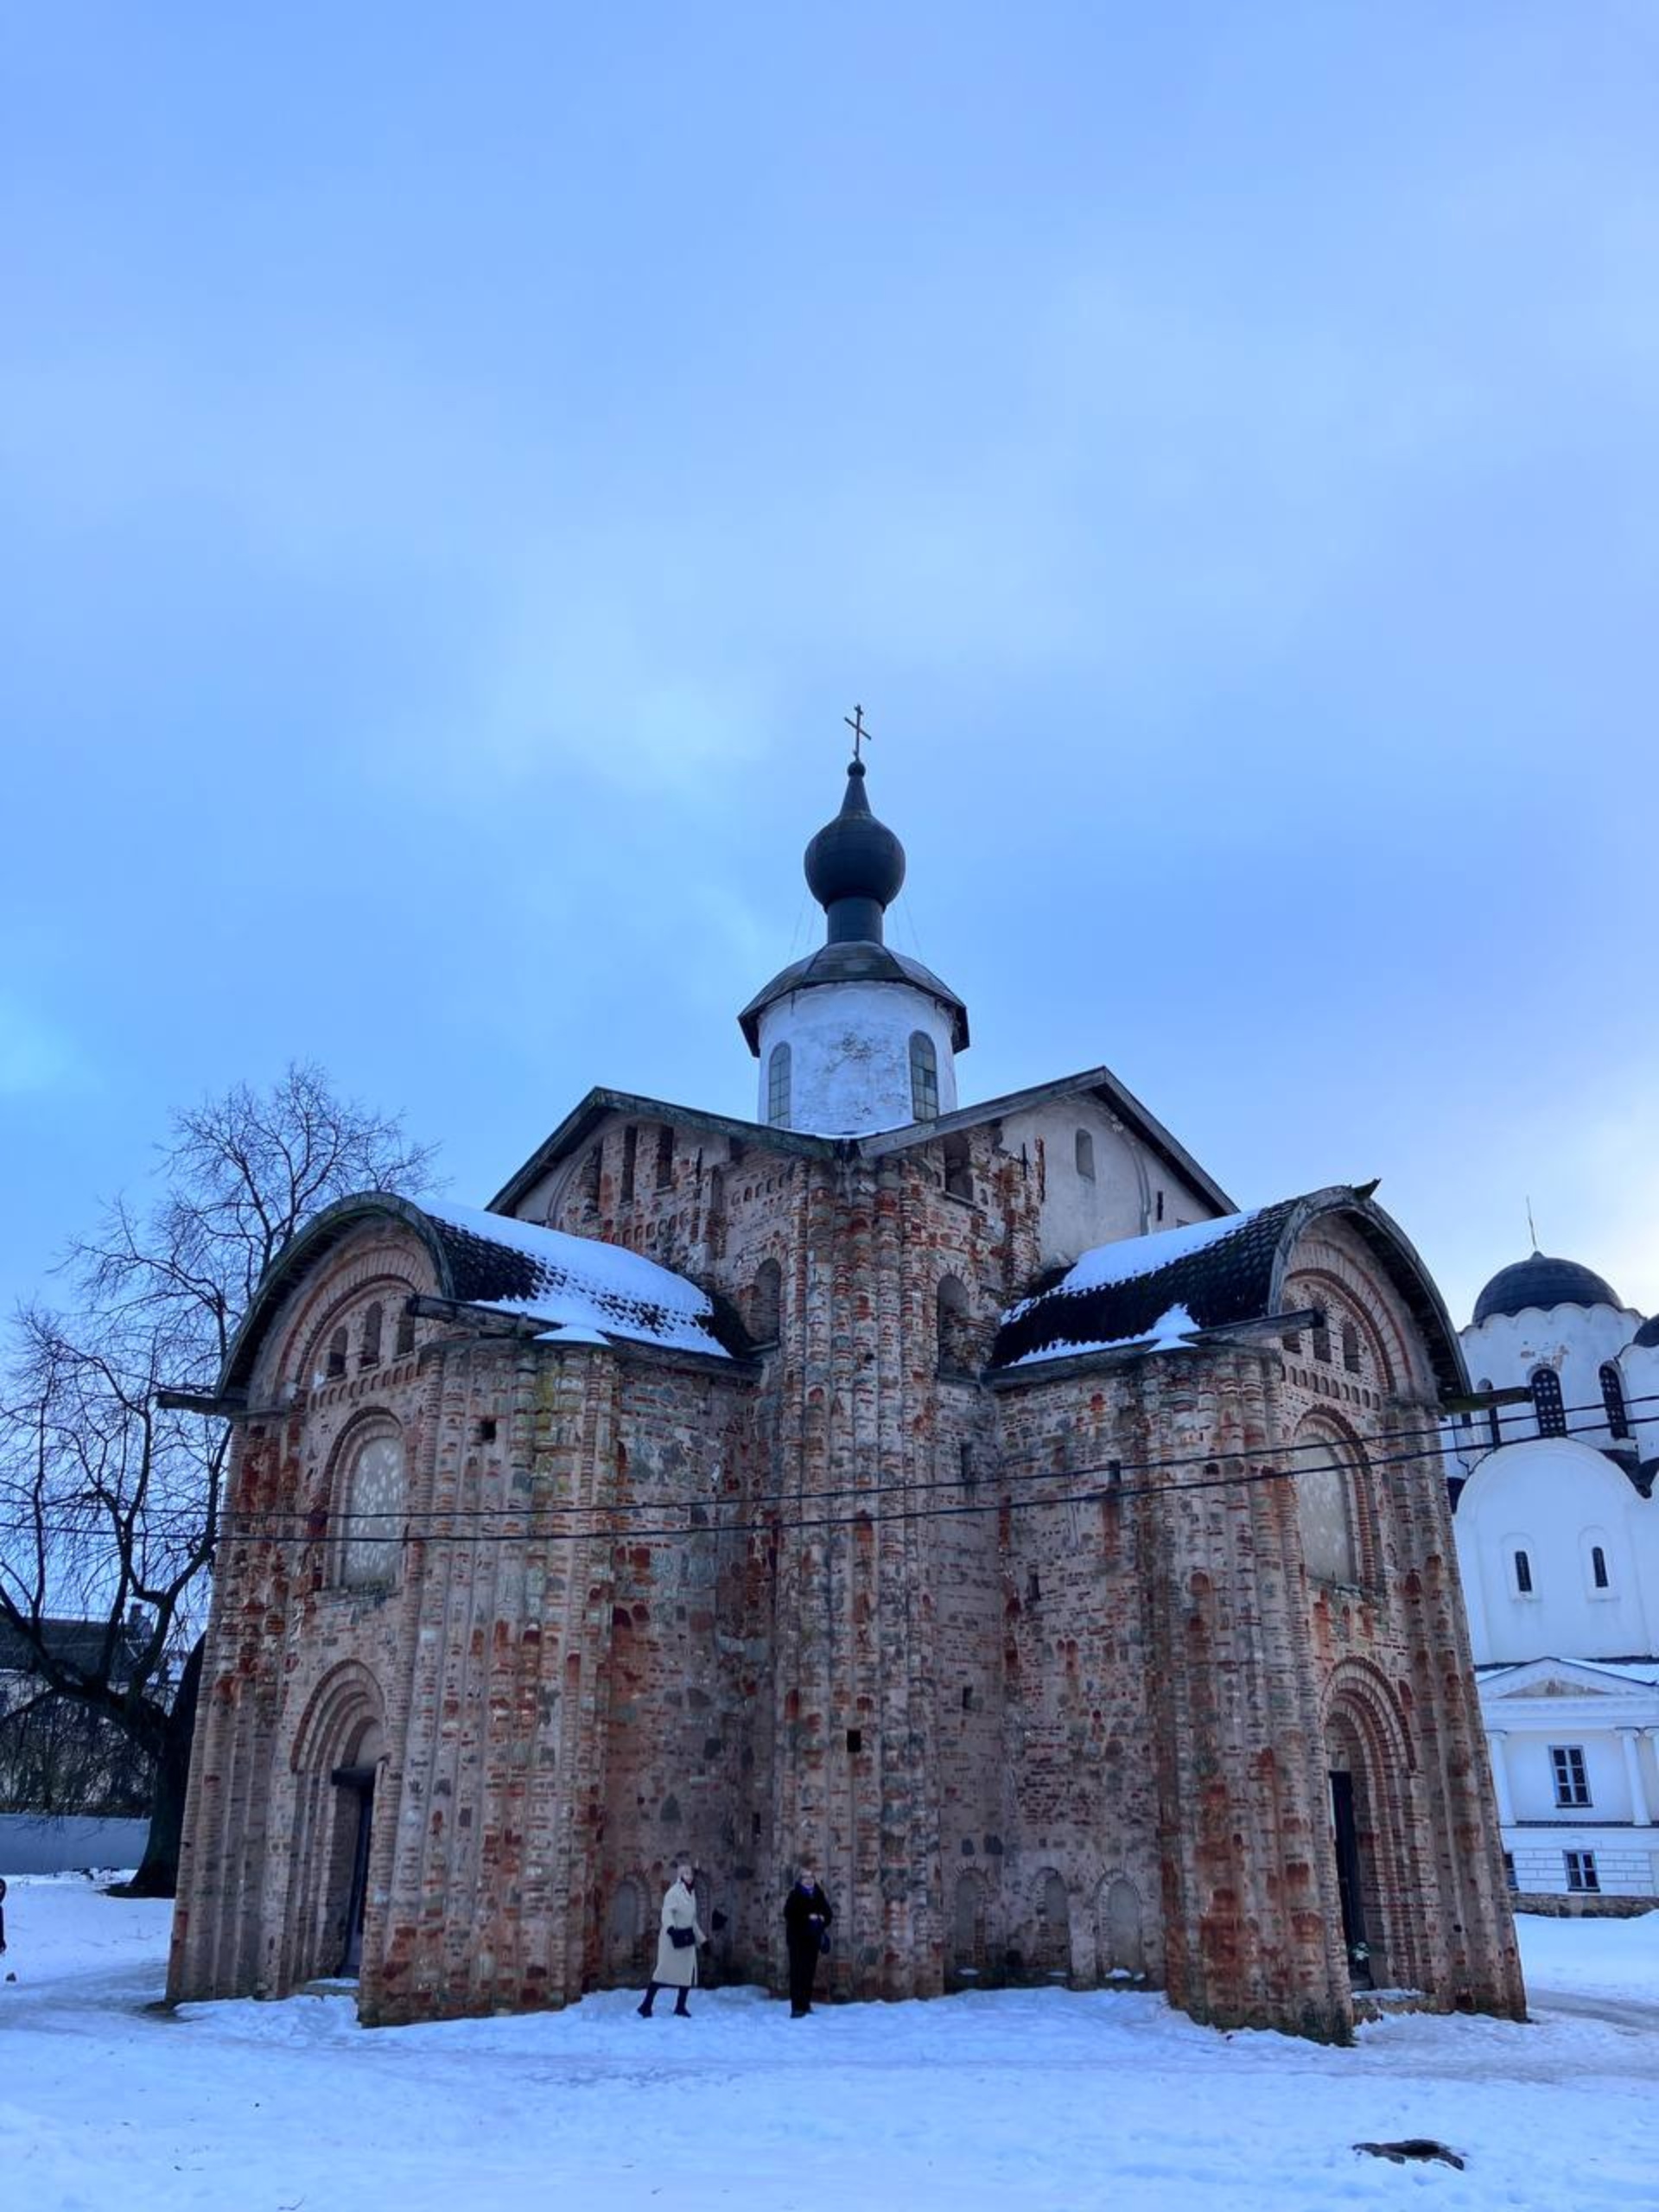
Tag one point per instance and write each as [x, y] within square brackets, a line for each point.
[1040, 2098]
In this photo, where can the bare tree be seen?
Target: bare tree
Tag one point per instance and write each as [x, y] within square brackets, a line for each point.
[109, 1495]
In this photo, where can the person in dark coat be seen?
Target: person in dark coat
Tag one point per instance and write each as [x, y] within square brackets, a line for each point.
[807, 1915]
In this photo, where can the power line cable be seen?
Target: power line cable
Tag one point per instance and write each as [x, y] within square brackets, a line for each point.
[291, 1527]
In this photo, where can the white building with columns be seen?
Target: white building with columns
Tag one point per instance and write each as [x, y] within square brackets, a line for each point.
[1557, 1548]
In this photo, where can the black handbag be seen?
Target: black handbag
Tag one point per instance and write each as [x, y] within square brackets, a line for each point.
[823, 1940]
[682, 1938]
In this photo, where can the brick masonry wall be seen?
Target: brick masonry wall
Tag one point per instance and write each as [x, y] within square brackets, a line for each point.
[652, 1607]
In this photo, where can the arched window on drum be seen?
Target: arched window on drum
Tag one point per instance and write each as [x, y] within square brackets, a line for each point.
[1613, 1398]
[924, 1077]
[778, 1087]
[1546, 1386]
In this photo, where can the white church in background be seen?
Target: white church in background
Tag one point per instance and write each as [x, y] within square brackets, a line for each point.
[1558, 1545]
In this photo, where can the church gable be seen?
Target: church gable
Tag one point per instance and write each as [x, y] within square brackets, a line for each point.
[1560, 1678]
[585, 1163]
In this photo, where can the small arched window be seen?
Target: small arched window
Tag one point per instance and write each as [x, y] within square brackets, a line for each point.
[954, 1327]
[664, 1158]
[767, 1303]
[1522, 1574]
[336, 1366]
[778, 1087]
[1598, 1575]
[405, 1333]
[958, 1167]
[924, 1077]
[1085, 1148]
[1322, 1337]
[1613, 1398]
[1547, 1405]
[1350, 1348]
[373, 1321]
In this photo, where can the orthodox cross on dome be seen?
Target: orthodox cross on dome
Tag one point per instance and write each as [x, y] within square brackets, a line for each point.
[855, 722]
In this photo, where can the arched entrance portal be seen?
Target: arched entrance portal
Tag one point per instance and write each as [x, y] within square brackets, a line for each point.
[337, 1759]
[1372, 1785]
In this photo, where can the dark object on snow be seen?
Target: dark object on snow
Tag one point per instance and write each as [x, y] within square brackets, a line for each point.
[1413, 2146]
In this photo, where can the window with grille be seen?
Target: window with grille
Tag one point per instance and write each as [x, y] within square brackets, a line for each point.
[1572, 1782]
[1546, 1402]
[1581, 1874]
[924, 1077]
[1613, 1398]
[778, 1087]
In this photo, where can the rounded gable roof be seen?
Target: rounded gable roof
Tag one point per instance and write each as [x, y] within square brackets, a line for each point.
[481, 1259]
[1222, 1273]
[1542, 1282]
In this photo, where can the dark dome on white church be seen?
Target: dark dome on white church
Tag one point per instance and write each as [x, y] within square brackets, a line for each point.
[855, 864]
[1648, 1335]
[1544, 1283]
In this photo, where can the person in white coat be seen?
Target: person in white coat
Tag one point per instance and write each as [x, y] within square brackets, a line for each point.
[677, 1945]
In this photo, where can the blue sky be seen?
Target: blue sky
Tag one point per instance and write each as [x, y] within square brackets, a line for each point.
[457, 468]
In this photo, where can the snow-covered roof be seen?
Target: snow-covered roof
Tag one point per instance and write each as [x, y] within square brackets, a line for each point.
[584, 1289]
[1150, 1291]
[1154, 1292]
[1171, 1331]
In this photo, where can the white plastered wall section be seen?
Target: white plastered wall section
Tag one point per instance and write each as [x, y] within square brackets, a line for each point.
[1638, 1367]
[849, 1071]
[1557, 1500]
[1121, 1198]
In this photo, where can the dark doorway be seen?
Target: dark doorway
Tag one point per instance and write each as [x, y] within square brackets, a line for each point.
[356, 1786]
[1346, 1830]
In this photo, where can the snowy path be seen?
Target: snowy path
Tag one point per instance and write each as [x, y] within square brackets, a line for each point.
[1018, 2099]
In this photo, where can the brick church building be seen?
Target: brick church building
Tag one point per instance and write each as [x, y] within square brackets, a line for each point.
[969, 1501]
